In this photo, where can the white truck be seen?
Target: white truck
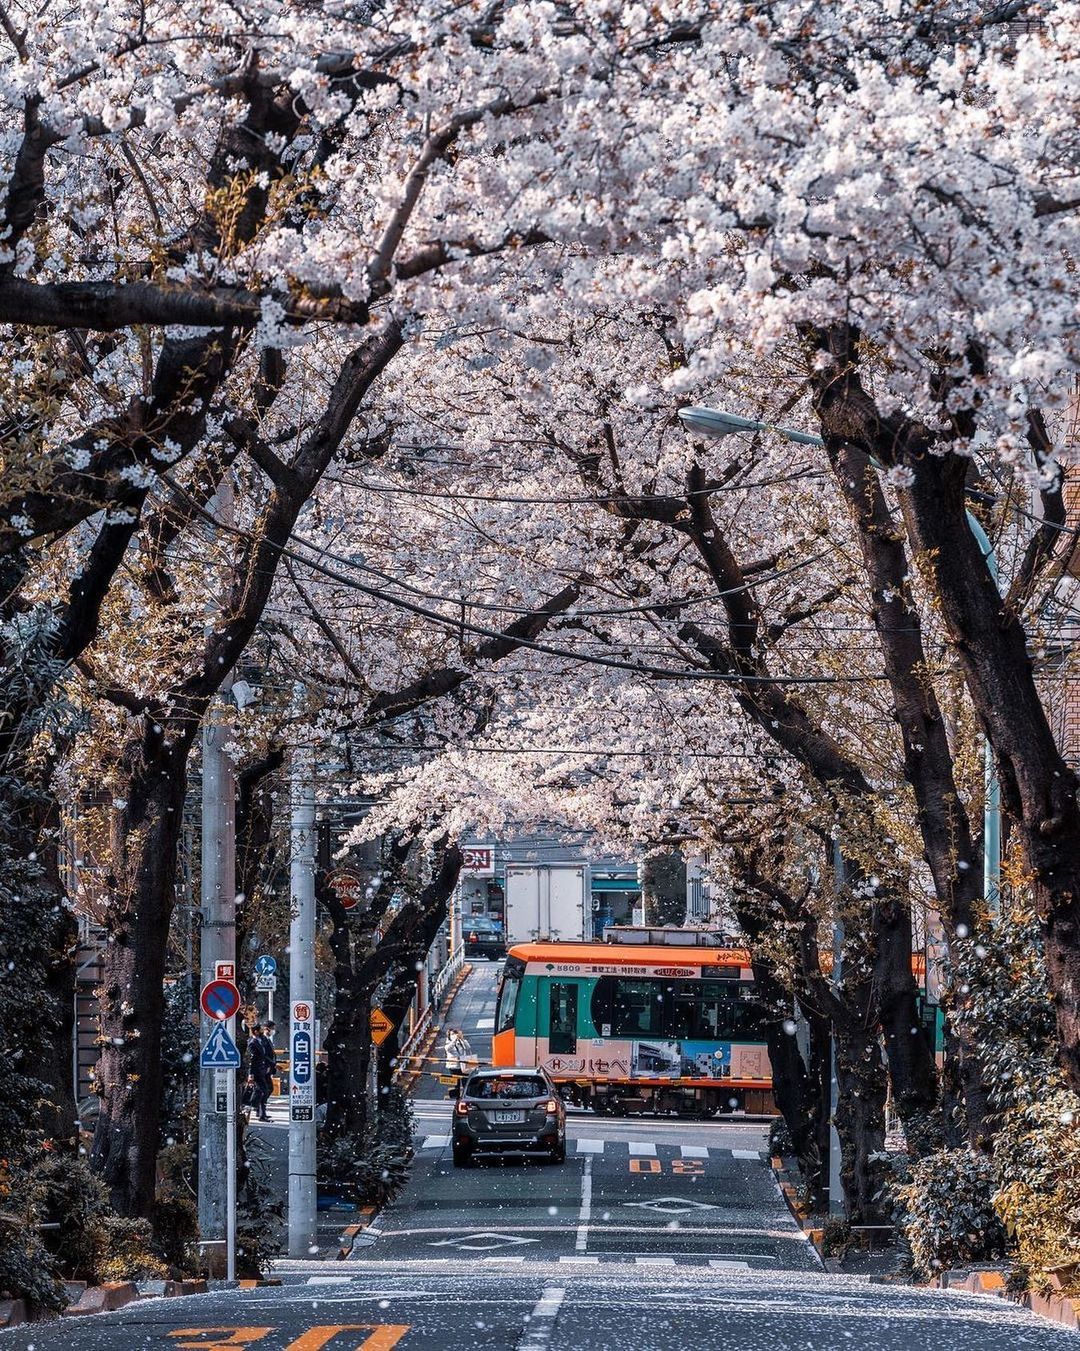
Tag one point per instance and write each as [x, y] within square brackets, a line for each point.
[546, 902]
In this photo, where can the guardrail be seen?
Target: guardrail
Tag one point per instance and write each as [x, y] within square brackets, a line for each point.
[439, 987]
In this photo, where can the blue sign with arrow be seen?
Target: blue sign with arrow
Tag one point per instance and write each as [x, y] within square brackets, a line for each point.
[220, 1051]
[265, 965]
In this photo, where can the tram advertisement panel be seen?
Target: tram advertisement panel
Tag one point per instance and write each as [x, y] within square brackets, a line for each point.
[602, 1059]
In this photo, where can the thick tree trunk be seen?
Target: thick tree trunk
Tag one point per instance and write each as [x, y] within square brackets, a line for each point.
[908, 1048]
[663, 888]
[1038, 787]
[860, 1119]
[145, 837]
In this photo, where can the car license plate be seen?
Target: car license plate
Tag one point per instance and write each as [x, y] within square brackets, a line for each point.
[509, 1118]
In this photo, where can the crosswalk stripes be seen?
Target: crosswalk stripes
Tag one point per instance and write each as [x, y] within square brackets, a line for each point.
[720, 1264]
[654, 1261]
[643, 1149]
[590, 1146]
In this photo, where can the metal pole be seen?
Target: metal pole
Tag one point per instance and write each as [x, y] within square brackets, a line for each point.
[836, 1186]
[992, 789]
[217, 944]
[230, 1167]
[302, 1237]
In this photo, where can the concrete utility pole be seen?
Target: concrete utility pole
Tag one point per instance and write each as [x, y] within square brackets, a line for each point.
[218, 944]
[302, 1236]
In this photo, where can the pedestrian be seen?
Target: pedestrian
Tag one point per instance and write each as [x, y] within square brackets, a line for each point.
[261, 1070]
[457, 1050]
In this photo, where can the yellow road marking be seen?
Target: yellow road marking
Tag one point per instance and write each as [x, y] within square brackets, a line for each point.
[382, 1338]
[213, 1339]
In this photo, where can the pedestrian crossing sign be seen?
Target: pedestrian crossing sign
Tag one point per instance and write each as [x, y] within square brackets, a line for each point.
[220, 1051]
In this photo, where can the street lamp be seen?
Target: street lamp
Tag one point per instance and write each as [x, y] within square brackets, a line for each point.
[715, 422]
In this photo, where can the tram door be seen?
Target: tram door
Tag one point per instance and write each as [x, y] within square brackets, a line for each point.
[562, 1006]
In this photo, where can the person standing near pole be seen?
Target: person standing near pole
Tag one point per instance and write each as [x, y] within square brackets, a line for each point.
[260, 1071]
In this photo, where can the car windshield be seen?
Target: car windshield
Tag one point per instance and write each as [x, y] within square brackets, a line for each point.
[508, 1086]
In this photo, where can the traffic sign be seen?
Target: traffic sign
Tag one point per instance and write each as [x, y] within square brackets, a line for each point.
[220, 1051]
[381, 1026]
[267, 982]
[265, 965]
[225, 971]
[219, 999]
[347, 886]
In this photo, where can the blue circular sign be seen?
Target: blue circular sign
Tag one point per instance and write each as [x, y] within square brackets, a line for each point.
[220, 999]
[265, 965]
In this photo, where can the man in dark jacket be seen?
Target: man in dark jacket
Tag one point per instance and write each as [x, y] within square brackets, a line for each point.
[261, 1071]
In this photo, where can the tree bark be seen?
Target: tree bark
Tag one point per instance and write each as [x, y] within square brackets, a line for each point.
[950, 852]
[145, 836]
[1038, 787]
[860, 1118]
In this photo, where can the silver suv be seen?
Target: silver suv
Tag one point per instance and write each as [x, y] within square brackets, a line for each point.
[509, 1111]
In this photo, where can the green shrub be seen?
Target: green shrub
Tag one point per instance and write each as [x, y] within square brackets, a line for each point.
[372, 1166]
[944, 1209]
[260, 1211]
[91, 1242]
[176, 1214]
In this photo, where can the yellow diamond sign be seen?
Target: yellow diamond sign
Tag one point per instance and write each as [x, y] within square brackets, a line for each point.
[381, 1026]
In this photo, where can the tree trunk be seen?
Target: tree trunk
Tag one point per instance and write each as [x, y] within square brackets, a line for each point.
[860, 1118]
[909, 1050]
[1038, 787]
[144, 846]
[663, 888]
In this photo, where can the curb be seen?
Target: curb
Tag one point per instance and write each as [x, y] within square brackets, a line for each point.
[1061, 1309]
[95, 1299]
[815, 1236]
[351, 1232]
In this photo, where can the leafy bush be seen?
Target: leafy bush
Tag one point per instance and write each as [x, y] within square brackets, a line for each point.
[944, 1208]
[92, 1242]
[1037, 1156]
[176, 1214]
[780, 1142]
[372, 1166]
[260, 1211]
[27, 1268]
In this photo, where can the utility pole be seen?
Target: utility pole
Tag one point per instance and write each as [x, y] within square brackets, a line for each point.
[302, 1236]
[217, 944]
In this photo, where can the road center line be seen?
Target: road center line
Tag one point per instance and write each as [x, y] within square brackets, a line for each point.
[541, 1322]
[585, 1213]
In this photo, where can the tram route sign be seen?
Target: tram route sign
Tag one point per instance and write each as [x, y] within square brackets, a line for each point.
[381, 1026]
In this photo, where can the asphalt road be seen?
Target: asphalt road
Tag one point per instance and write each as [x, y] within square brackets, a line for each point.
[653, 1234]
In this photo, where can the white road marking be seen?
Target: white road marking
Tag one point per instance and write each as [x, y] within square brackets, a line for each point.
[541, 1322]
[592, 1261]
[720, 1265]
[654, 1261]
[590, 1146]
[585, 1214]
[746, 1154]
[694, 1151]
[502, 1259]
[483, 1242]
[643, 1148]
[483, 1024]
[435, 1142]
[330, 1280]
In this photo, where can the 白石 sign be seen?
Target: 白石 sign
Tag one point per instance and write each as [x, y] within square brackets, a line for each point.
[302, 1061]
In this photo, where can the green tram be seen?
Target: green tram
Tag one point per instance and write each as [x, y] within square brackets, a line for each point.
[626, 1027]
